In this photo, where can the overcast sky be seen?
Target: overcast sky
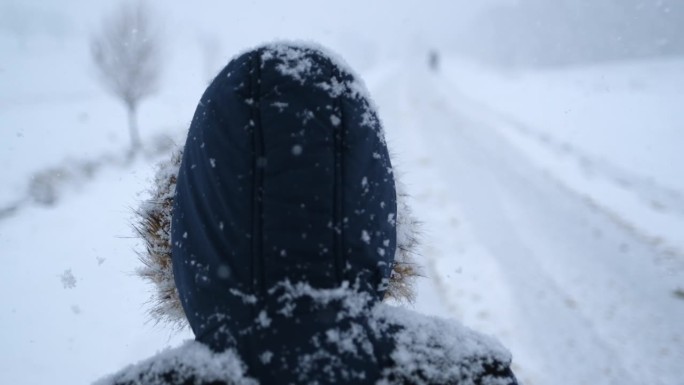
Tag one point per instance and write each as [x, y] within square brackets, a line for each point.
[248, 22]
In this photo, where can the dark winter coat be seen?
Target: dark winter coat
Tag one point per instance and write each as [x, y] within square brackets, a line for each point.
[284, 234]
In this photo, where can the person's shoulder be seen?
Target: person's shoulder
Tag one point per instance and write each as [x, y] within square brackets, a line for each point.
[191, 363]
[432, 350]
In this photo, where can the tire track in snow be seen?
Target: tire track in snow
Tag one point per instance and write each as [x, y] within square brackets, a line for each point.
[431, 285]
[656, 196]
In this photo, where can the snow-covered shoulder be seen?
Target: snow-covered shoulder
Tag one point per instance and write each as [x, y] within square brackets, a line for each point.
[440, 350]
[190, 363]
[427, 350]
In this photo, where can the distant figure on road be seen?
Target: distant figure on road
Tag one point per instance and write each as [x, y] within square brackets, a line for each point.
[433, 60]
[277, 234]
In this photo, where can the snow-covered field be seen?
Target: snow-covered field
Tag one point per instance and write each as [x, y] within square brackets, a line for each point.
[552, 202]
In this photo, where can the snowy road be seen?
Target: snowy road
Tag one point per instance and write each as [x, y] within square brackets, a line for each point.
[577, 297]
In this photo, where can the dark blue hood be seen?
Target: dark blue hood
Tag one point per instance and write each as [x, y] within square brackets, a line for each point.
[285, 182]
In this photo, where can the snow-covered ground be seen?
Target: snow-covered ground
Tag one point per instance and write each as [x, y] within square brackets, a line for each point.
[552, 202]
[519, 246]
[612, 133]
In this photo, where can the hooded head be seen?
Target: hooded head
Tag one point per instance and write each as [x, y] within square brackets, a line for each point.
[285, 177]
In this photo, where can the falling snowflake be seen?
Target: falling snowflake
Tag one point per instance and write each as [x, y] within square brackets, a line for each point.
[68, 279]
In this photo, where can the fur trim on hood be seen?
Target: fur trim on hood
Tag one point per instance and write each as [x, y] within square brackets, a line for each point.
[153, 225]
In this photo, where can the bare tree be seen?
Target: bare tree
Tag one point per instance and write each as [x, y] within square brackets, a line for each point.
[127, 54]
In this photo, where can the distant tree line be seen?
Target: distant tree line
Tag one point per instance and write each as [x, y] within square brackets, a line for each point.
[566, 32]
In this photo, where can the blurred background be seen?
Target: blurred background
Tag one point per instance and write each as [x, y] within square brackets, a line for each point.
[541, 143]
